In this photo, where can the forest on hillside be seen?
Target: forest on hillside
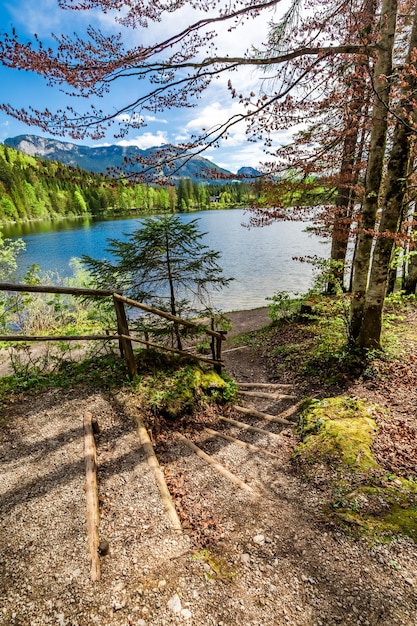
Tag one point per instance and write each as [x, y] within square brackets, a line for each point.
[32, 188]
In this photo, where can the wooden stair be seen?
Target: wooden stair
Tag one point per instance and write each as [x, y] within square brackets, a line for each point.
[257, 440]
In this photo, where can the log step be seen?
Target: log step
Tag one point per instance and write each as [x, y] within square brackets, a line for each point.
[91, 492]
[234, 349]
[153, 463]
[253, 429]
[217, 466]
[266, 385]
[291, 412]
[262, 416]
[270, 396]
[239, 442]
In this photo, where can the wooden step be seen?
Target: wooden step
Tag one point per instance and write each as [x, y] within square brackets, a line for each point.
[266, 385]
[260, 415]
[213, 463]
[239, 442]
[253, 429]
[291, 412]
[269, 396]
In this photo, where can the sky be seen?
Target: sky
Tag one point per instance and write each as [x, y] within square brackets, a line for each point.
[44, 17]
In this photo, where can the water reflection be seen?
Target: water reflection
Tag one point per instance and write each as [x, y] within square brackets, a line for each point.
[14, 231]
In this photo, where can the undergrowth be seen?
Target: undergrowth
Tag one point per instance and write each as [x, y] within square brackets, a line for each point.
[100, 372]
[168, 386]
[315, 345]
[172, 387]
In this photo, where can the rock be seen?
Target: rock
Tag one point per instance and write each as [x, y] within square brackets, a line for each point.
[259, 540]
[186, 614]
[245, 558]
[174, 604]
[103, 547]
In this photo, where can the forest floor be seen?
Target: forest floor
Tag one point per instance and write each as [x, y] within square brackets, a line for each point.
[267, 552]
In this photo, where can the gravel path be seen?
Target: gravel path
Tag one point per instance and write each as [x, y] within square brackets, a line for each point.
[261, 558]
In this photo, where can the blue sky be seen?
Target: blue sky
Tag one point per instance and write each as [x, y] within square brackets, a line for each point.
[44, 17]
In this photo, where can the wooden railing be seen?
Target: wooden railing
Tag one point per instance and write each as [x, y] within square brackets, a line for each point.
[123, 335]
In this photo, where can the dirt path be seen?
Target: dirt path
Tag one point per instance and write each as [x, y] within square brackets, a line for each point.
[264, 554]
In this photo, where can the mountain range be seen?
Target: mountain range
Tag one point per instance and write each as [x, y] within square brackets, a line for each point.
[102, 159]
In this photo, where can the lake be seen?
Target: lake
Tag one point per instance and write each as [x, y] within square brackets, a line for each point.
[261, 260]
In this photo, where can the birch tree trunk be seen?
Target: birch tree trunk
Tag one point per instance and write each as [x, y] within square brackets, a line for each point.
[395, 188]
[410, 283]
[410, 279]
[357, 111]
[379, 121]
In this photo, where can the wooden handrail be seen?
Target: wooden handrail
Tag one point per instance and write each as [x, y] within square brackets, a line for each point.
[123, 336]
[75, 291]
[168, 316]
[57, 337]
[168, 349]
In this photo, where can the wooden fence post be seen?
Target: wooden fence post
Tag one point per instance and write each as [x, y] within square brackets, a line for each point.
[125, 344]
[219, 340]
[91, 496]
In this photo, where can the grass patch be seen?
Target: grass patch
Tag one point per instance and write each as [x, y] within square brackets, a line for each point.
[219, 567]
[314, 347]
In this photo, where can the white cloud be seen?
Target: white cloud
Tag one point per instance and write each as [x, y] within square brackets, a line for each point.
[235, 151]
[137, 119]
[41, 17]
[146, 140]
[212, 116]
[151, 118]
[249, 155]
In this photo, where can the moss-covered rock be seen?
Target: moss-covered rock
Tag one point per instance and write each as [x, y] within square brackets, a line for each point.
[338, 433]
[339, 429]
[174, 392]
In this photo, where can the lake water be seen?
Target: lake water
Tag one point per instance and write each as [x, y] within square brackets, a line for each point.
[261, 260]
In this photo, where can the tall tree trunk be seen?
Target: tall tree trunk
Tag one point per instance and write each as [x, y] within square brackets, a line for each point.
[409, 283]
[343, 208]
[173, 306]
[395, 187]
[379, 121]
[348, 178]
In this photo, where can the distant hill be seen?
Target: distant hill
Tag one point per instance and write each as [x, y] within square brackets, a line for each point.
[249, 172]
[33, 187]
[101, 159]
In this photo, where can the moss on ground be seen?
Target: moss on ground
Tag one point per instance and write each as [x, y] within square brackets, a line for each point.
[219, 567]
[338, 433]
[176, 391]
